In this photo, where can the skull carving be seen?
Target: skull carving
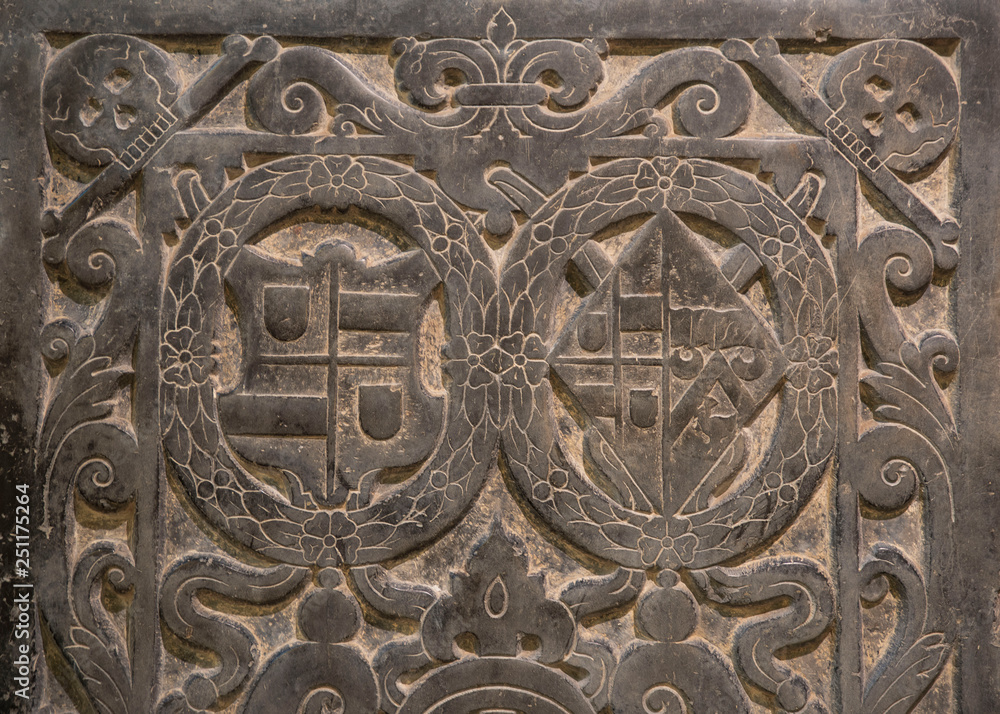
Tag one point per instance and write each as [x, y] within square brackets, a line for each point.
[102, 92]
[898, 98]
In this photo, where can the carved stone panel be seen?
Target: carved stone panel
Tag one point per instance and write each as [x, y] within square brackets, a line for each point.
[425, 357]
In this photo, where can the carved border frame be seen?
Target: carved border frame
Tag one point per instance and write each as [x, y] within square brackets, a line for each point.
[973, 588]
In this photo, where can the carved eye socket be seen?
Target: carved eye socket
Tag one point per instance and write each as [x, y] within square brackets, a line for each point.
[91, 111]
[878, 87]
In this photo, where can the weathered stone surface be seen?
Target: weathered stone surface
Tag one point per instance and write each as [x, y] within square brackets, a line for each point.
[546, 358]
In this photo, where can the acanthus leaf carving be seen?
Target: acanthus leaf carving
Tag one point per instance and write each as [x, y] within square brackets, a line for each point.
[98, 648]
[915, 655]
[499, 603]
[86, 447]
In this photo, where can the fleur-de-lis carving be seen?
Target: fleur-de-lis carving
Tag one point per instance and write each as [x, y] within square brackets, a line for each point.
[500, 70]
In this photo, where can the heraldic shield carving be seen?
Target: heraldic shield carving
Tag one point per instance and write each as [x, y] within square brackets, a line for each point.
[507, 370]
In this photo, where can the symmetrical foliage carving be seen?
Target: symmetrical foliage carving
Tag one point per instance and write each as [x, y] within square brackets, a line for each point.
[525, 275]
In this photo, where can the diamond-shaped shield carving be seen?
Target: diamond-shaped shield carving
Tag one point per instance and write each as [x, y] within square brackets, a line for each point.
[669, 362]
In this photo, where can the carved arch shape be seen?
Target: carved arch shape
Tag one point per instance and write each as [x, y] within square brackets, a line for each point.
[229, 497]
[806, 300]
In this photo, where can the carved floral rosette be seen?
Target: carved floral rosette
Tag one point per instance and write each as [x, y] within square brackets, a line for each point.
[637, 325]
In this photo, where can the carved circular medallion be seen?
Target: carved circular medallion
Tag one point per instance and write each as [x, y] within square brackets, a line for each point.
[666, 365]
[344, 332]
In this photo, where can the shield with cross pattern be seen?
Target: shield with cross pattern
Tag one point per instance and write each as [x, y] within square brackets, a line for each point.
[332, 398]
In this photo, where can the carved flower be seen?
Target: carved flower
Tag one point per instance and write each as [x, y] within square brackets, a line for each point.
[475, 359]
[653, 540]
[814, 363]
[656, 541]
[185, 362]
[336, 180]
[663, 173]
[523, 360]
[329, 539]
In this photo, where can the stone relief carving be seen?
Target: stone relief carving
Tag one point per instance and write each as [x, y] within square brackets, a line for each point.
[519, 297]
